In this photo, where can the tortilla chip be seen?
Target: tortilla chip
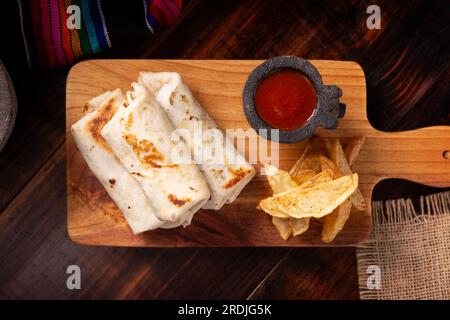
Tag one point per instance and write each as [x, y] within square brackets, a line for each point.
[273, 210]
[297, 163]
[338, 157]
[319, 185]
[358, 201]
[310, 162]
[317, 145]
[309, 159]
[279, 180]
[302, 176]
[353, 148]
[327, 164]
[324, 176]
[299, 226]
[327, 143]
[333, 223]
[283, 227]
[315, 201]
[307, 178]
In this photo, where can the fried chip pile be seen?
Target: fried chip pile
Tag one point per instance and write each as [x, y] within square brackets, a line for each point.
[320, 185]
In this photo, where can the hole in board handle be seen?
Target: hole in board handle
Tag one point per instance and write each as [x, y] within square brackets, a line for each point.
[446, 154]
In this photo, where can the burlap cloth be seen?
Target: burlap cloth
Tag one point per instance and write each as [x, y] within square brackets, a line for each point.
[410, 247]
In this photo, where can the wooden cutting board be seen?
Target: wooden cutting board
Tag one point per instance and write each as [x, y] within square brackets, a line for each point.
[94, 219]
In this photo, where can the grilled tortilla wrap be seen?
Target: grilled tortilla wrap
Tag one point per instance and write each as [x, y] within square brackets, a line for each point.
[225, 169]
[141, 136]
[124, 190]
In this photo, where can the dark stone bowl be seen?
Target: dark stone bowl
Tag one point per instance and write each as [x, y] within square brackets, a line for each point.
[328, 109]
[8, 106]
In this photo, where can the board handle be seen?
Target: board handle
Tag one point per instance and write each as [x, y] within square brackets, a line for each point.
[421, 155]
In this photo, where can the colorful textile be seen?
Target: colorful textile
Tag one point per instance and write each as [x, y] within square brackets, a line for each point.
[59, 32]
[160, 13]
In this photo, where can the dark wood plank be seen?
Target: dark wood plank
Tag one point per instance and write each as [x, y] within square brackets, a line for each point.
[406, 62]
[36, 251]
[328, 273]
[312, 274]
[406, 65]
[336, 31]
[398, 188]
[39, 128]
[38, 132]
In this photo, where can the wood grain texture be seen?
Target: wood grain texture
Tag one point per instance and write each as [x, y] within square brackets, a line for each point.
[94, 218]
[406, 66]
[36, 251]
[405, 62]
[334, 270]
[38, 132]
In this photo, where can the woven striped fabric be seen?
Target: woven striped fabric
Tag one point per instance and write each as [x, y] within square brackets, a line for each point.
[160, 13]
[51, 40]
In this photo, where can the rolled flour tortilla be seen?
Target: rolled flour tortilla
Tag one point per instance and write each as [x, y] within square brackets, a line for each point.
[141, 136]
[123, 189]
[226, 178]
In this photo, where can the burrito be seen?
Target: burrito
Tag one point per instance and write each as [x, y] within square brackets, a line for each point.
[142, 137]
[224, 168]
[123, 189]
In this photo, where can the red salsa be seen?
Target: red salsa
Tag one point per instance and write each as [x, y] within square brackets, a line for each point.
[285, 99]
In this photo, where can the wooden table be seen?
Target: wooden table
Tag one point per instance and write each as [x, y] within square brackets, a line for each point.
[407, 69]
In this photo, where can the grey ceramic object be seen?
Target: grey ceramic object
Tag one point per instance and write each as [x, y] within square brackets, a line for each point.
[328, 109]
[8, 106]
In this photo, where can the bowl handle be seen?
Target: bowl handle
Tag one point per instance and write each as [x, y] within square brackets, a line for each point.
[333, 109]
